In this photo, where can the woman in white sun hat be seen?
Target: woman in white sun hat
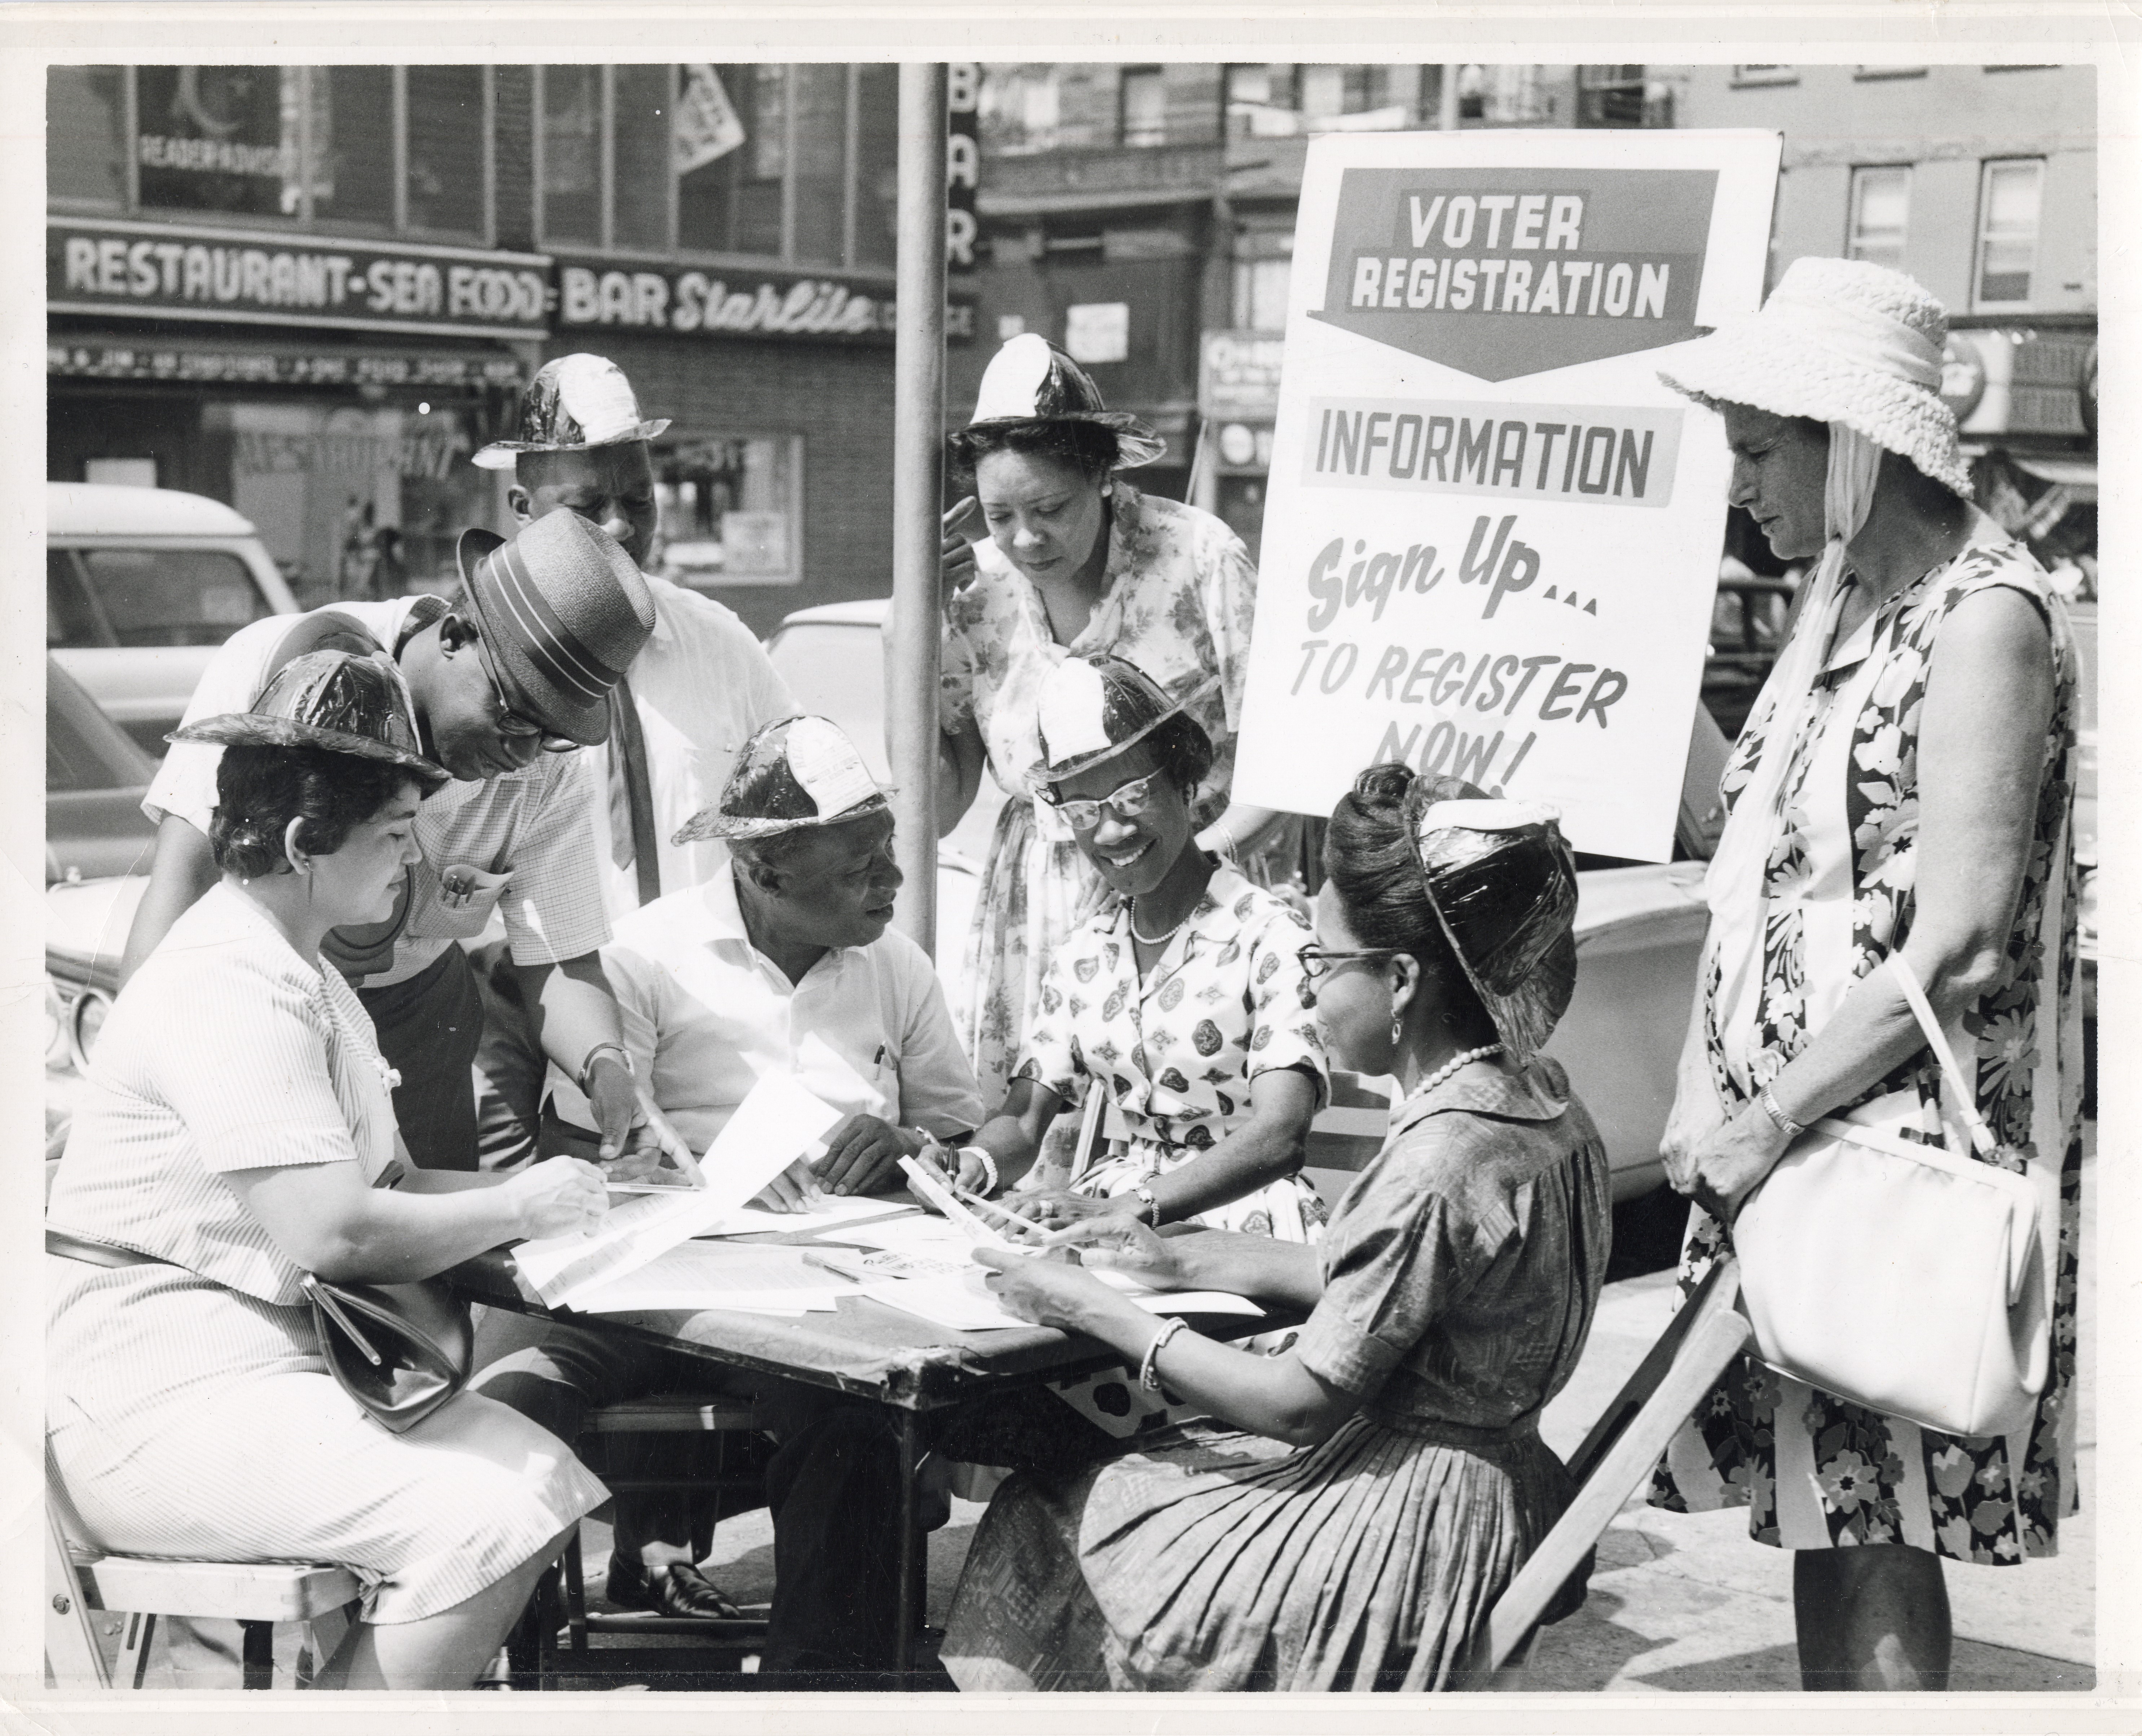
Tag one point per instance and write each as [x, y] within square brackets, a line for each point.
[1054, 554]
[1904, 783]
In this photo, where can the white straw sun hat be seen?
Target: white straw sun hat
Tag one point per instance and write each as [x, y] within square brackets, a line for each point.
[1838, 341]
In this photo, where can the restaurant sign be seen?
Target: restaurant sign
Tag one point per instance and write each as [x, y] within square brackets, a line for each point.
[262, 277]
[713, 302]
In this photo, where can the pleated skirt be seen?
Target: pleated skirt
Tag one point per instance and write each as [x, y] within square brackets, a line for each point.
[1213, 1561]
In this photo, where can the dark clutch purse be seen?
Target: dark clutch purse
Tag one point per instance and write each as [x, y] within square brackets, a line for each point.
[400, 1350]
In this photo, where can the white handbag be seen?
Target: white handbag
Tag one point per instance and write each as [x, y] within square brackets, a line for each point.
[1900, 1276]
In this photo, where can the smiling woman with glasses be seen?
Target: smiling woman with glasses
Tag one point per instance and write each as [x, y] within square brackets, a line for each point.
[1183, 997]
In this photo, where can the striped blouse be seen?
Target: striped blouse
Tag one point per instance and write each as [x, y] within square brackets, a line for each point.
[226, 1051]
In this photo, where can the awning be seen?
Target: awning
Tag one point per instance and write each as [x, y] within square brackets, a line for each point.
[2079, 474]
[188, 359]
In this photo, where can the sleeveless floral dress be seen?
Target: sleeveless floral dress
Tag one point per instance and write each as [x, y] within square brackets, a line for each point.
[1814, 1471]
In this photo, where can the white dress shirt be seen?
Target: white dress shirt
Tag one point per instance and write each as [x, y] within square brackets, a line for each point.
[867, 1029]
[701, 684]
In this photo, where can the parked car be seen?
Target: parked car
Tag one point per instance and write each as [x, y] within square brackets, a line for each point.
[1639, 928]
[95, 779]
[141, 584]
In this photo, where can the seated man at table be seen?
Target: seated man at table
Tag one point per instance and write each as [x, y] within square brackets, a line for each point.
[782, 962]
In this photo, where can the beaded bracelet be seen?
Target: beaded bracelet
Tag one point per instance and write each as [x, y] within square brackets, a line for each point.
[989, 1176]
[1148, 1369]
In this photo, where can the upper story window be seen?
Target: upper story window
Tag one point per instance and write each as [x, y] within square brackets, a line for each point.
[792, 163]
[2009, 196]
[1621, 95]
[1881, 208]
[404, 148]
[1144, 97]
[1743, 75]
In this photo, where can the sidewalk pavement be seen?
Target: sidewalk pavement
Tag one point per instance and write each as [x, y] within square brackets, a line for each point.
[1686, 1603]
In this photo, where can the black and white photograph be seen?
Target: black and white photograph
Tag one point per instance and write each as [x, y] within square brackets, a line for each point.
[1147, 873]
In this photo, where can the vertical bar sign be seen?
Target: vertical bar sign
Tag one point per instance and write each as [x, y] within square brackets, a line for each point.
[963, 164]
[1492, 534]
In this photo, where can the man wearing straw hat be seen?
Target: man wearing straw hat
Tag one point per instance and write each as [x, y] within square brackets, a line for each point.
[505, 686]
[700, 686]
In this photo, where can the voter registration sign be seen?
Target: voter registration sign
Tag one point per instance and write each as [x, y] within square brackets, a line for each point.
[1492, 534]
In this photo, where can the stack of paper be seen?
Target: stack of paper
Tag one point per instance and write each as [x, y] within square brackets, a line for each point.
[834, 1213]
[777, 1122]
[703, 1274]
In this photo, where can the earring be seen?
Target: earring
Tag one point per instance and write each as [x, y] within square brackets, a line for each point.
[1398, 1028]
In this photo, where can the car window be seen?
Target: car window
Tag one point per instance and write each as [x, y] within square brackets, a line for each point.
[87, 752]
[836, 669]
[172, 596]
[70, 618]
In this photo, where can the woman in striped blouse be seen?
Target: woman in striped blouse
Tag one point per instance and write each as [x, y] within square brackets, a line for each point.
[237, 1133]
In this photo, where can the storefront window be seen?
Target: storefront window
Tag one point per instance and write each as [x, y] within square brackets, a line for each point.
[85, 134]
[220, 138]
[732, 510]
[447, 133]
[353, 139]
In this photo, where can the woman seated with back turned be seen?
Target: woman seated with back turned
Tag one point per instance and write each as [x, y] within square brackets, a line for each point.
[1360, 1501]
[237, 1133]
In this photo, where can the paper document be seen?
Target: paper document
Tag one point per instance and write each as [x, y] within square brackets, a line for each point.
[837, 1211]
[922, 1235]
[964, 1305]
[703, 1274]
[777, 1122]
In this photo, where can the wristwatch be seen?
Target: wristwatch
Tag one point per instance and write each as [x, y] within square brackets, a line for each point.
[588, 1063]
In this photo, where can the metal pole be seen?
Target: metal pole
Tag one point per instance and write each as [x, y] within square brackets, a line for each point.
[918, 440]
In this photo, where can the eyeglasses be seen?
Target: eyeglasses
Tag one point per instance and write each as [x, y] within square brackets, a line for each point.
[1126, 800]
[1316, 962]
[509, 722]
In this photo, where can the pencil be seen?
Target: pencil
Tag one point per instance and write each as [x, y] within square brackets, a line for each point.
[995, 1210]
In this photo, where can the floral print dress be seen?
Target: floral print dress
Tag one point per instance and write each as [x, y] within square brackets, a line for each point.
[1814, 1471]
[1178, 1051]
[1179, 597]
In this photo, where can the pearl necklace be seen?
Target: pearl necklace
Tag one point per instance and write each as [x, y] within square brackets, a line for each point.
[1160, 939]
[1451, 1066]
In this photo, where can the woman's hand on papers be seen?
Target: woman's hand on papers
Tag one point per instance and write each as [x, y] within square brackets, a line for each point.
[558, 1196]
[1053, 1207]
[863, 1153]
[1128, 1246]
[1048, 1292]
[795, 1189]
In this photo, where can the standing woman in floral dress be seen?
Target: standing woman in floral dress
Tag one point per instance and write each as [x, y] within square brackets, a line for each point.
[1075, 561]
[1904, 785]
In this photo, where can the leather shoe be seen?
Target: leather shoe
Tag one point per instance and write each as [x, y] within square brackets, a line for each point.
[683, 1591]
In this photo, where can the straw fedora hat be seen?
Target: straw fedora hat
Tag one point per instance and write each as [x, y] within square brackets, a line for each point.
[564, 610]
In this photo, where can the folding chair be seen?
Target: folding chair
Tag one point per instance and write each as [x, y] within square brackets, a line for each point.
[82, 1582]
[1617, 1456]
[675, 1415]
